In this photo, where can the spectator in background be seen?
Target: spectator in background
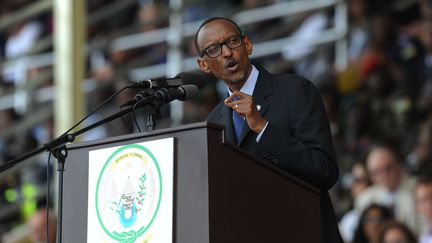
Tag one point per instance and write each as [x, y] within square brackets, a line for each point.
[371, 219]
[390, 109]
[424, 100]
[409, 51]
[13, 144]
[426, 40]
[309, 61]
[19, 41]
[421, 157]
[396, 232]
[392, 186]
[358, 28]
[37, 225]
[423, 195]
[149, 16]
[360, 182]
[356, 124]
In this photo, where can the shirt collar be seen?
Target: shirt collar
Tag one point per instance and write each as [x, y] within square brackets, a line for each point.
[249, 85]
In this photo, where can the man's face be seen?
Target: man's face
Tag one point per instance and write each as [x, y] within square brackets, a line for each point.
[232, 65]
[384, 169]
[424, 200]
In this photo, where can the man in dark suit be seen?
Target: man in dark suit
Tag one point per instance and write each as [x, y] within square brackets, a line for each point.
[278, 117]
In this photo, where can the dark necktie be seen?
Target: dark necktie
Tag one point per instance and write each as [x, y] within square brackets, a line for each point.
[238, 122]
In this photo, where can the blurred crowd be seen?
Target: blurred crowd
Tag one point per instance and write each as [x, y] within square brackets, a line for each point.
[379, 105]
[379, 108]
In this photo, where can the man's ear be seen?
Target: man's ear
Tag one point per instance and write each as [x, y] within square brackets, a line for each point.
[248, 45]
[203, 65]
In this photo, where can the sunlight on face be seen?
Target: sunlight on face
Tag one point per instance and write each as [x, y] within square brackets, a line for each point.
[395, 235]
[424, 200]
[384, 169]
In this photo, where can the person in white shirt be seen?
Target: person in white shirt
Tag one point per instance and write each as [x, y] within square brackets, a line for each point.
[423, 195]
[392, 186]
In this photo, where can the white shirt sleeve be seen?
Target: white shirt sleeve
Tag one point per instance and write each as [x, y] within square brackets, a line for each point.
[261, 133]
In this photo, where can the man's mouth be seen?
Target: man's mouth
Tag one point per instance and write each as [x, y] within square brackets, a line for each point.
[231, 66]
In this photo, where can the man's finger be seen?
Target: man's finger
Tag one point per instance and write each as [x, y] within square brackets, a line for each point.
[235, 96]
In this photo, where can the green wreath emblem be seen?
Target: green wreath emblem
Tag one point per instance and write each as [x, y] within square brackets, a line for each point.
[131, 235]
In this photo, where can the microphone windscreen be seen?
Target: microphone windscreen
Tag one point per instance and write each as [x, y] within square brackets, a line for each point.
[189, 90]
[198, 78]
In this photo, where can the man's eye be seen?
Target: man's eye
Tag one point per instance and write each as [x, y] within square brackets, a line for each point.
[212, 49]
[233, 41]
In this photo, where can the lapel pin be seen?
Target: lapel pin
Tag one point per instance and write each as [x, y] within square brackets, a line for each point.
[258, 107]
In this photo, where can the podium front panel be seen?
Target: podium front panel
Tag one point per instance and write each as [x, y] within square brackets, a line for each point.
[190, 205]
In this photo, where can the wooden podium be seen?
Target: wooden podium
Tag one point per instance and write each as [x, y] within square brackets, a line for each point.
[222, 194]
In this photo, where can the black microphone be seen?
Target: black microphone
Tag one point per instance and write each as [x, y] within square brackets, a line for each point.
[158, 83]
[164, 95]
[182, 93]
[197, 78]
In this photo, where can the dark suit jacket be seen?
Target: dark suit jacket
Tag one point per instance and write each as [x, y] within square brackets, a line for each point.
[297, 138]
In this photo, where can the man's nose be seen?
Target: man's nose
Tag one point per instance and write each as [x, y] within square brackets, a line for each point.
[226, 51]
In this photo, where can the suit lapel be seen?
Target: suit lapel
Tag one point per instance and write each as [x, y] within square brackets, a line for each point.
[262, 90]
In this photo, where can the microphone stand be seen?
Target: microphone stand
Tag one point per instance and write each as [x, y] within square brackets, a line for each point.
[59, 150]
[155, 107]
[152, 116]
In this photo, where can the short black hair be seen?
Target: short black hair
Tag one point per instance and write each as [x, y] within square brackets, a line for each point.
[211, 19]
[386, 215]
[409, 235]
[390, 147]
[424, 178]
